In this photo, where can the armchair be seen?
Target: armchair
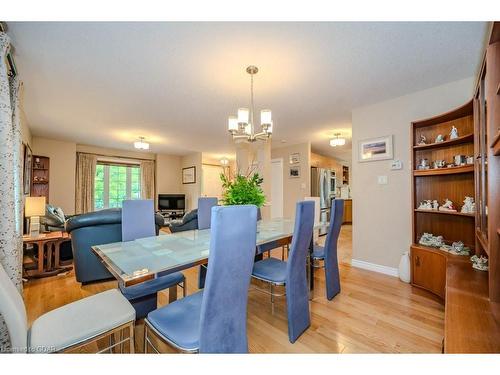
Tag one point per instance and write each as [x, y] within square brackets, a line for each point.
[188, 222]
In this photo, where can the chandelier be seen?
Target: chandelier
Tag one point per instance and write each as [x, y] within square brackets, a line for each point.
[337, 141]
[141, 144]
[242, 127]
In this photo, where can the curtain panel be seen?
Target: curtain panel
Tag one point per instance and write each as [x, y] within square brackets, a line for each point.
[11, 203]
[147, 179]
[85, 177]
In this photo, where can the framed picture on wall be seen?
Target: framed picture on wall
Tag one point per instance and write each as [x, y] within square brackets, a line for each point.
[189, 175]
[295, 158]
[374, 149]
[294, 172]
[27, 163]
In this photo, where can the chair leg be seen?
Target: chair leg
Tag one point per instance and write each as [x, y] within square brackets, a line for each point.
[121, 341]
[111, 342]
[145, 347]
[184, 288]
[309, 270]
[272, 298]
[131, 337]
[283, 252]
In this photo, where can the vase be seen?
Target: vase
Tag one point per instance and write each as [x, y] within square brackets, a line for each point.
[404, 267]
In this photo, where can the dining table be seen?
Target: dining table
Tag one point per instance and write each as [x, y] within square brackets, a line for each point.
[134, 262]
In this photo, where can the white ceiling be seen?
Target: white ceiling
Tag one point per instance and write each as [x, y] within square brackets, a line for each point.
[106, 84]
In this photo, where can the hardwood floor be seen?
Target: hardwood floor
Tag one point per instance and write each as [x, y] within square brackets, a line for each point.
[374, 313]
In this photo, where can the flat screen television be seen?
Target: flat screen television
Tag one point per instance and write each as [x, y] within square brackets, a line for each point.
[171, 202]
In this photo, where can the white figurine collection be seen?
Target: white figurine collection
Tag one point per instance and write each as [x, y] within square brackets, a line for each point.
[469, 206]
[456, 248]
[440, 137]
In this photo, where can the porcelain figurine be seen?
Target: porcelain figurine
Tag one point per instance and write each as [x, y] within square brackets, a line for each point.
[439, 138]
[453, 133]
[456, 248]
[428, 239]
[439, 164]
[479, 263]
[469, 206]
[447, 206]
[423, 140]
[425, 205]
[435, 205]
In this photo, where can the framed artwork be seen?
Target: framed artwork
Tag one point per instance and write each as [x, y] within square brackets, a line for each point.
[189, 175]
[28, 161]
[295, 158]
[374, 149]
[294, 172]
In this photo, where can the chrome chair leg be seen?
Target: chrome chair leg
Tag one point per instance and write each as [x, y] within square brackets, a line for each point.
[111, 342]
[272, 298]
[145, 343]
[121, 341]
[131, 338]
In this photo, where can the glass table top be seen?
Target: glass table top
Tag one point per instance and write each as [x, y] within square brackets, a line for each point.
[137, 261]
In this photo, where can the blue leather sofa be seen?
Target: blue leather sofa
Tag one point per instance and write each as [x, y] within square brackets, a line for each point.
[95, 228]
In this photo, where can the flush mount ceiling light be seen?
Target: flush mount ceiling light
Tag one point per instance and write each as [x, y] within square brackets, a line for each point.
[337, 141]
[242, 127]
[141, 145]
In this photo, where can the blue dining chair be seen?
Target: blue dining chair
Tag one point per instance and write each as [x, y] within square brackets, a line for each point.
[292, 273]
[205, 205]
[214, 320]
[328, 253]
[138, 222]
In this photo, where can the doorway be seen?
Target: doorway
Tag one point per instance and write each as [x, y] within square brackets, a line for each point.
[276, 188]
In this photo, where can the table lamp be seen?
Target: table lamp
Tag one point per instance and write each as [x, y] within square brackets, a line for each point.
[34, 207]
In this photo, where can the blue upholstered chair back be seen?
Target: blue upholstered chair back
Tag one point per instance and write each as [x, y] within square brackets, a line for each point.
[331, 260]
[138, 219]
[297, 290]
[223, 320]
[205, 205]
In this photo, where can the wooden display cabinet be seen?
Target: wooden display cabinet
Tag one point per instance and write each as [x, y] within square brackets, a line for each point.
[428, 265]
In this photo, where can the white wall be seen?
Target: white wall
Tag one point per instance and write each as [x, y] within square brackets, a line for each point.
[62, 171]
[294, 189]
[382, 213]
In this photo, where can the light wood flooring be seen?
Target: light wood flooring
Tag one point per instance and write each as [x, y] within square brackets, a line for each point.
[374, 313]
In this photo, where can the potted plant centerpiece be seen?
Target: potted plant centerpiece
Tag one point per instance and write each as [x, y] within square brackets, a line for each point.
[242, 189]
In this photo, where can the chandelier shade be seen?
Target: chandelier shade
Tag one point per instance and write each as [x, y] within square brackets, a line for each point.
[337, 141]
[141, 144]
[241, 127]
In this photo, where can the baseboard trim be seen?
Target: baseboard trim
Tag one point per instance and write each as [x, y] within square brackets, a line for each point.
[375, 267]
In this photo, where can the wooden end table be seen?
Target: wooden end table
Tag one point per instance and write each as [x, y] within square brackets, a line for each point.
[49, 260]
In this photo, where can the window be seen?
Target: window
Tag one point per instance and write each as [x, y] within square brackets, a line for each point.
[115, 183]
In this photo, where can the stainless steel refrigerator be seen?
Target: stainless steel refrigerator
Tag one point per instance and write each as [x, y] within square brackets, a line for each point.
[323, 185]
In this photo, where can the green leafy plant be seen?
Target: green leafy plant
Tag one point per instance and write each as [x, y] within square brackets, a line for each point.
[242, 190]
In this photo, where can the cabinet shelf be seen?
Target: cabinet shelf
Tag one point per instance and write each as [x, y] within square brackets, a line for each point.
[443, 171]
[445, 213]
[469, 138]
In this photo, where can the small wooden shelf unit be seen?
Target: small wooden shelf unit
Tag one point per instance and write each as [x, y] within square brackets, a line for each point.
[40, 177]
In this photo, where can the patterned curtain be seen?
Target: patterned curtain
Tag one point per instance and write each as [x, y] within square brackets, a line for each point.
[11, 204]
[147, 179]
[85, 177]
